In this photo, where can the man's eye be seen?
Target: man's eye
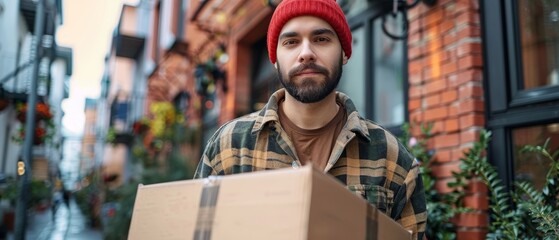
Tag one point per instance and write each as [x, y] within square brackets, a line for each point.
[322, 39]
[289, 42]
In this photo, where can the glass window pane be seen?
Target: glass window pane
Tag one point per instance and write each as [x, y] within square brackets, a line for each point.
[539, 36]
[388, 75]
[533, 167]
[353, 7]
[352, 81]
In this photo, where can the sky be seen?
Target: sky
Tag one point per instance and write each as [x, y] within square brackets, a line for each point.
[87, 28]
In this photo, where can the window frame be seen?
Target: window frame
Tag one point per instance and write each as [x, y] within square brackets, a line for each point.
[366, 19]
[513, 107]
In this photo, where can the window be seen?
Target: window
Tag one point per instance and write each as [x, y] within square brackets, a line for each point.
[375, 77]
[521, 42]
[264, 77]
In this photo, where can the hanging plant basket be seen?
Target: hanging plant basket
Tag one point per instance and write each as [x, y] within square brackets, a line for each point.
[44, 126]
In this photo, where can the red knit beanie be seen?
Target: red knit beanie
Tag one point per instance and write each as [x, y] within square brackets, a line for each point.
[327, 10]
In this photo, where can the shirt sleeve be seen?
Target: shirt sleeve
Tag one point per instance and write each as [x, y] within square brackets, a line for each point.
[204, 168]
[414, 213]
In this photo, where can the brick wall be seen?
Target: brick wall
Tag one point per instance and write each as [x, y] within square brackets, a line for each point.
[445, 75]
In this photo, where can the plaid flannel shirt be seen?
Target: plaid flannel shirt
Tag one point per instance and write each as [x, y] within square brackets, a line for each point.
[367, 158]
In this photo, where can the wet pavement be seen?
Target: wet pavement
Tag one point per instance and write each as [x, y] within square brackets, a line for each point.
[67, 224]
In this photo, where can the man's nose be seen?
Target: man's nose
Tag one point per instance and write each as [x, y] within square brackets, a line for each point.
[307, 54]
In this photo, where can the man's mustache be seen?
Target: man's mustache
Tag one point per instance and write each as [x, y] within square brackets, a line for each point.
[310, 66]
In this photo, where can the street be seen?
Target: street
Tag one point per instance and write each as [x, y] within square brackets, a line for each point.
[67, 224]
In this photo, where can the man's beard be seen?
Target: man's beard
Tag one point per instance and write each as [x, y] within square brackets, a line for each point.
[310, 91]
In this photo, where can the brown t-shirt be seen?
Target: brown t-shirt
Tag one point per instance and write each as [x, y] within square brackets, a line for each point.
[314, 145]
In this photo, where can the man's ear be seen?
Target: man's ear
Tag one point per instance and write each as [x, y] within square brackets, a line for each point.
[344, 57]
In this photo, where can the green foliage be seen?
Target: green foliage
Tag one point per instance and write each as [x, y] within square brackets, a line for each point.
[88, 198]
[525, 213]
[440, 207]
[536, 215]
[40, 192]
[159, 162]
[8, 191]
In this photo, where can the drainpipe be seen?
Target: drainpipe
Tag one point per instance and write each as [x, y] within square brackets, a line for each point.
[25, 175]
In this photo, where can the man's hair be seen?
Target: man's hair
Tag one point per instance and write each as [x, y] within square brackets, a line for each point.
[327, 10]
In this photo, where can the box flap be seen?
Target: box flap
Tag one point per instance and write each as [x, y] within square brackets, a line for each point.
[334, 205]
[164, 211]
[390, 229]
[263, 205]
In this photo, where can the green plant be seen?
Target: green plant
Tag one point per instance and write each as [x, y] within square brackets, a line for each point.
[8, 191]
[441, 208]
[536, 214]
[156, 153]
[88, 199]
[40, 193]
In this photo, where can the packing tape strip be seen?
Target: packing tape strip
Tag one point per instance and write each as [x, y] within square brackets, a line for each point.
[371, 223]
[206, 212]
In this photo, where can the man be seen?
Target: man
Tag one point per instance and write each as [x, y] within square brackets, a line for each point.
[308, 122]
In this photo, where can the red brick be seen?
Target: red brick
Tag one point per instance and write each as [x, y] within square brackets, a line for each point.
[468, 17]
[432, 32]
[449, 96]
[444, 2]
[469, 136]
[415, 66]
[468, 31]
[457, 154]
[414, 92]
[431, 73]
[472, 120]
[447, 140]
[446, 26]
[470, 75]
[453, 110]
[442, 185]
[451, 125]
[473, 219]
[476, 186]
[476, 201]
[434, 17]
[449, 39]
[463, 6]
[442, 155]
[435, 58]
[470, 61]
[433, 45]
[452, 80]
[414, 38]
[471, 106]
[471, 234]
[433, 100]
[435, 114]
[446, 169]
[414, 104]
[435, 86]
[470, 91]
[414, 52]
[416, 117]
[468, 48]
[415, 79]
[449, 68]
[438, 127]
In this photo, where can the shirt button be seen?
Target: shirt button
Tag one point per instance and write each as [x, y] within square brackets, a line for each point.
[295, 165]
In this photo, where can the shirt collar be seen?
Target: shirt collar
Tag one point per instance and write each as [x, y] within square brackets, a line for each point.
[269, 113]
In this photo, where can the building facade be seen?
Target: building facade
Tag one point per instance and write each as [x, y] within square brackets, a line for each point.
[460, 65]
[54, 71]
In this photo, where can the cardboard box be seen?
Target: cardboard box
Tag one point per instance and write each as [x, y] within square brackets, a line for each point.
[278, 204]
